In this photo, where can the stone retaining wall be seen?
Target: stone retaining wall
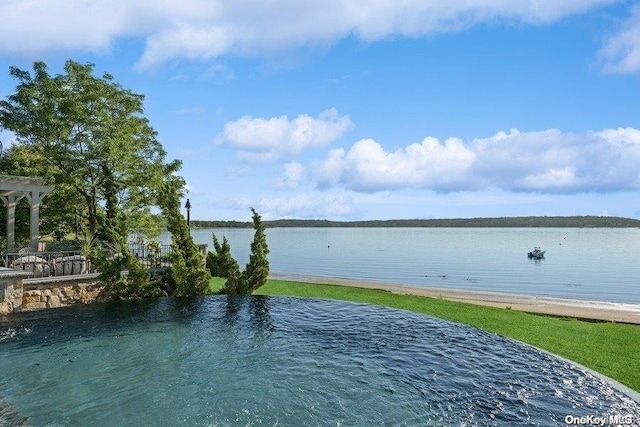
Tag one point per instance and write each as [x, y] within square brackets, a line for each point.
[54, 292]
[11, 300]
[11, 289]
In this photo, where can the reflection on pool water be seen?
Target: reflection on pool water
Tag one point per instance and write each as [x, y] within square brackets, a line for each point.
[280, 361]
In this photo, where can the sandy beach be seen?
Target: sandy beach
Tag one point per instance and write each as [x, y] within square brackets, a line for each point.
[593, 310]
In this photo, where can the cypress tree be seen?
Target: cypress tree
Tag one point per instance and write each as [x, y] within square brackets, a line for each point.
[222, 264]
[188, 269]
[257, 269]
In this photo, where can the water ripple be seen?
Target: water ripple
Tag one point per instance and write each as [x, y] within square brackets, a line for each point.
[282, 361]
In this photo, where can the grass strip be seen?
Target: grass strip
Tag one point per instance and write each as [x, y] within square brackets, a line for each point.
[612, 349]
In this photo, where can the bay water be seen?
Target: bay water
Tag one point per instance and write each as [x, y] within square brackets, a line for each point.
[595, 264]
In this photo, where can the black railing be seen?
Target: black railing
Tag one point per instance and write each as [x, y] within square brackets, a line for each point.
[151, 255]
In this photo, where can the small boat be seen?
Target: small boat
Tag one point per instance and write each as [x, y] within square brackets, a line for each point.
[536, 253]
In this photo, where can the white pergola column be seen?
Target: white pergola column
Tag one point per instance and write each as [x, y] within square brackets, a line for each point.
[12, 189]
[35, 198]
[11, 201]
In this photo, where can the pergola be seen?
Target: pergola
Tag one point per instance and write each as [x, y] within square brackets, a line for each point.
[14, 188]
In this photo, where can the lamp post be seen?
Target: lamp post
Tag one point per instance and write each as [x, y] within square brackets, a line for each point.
[188, 206]
[75, 221]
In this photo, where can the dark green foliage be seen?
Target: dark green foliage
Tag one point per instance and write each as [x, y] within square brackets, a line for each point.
[222, 264]
[257, 269]
[63, 246]
[134, 284]
[189, 274]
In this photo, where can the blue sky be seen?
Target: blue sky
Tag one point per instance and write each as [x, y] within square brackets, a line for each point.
[378, 109]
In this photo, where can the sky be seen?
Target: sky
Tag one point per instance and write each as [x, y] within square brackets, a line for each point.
[376, 109]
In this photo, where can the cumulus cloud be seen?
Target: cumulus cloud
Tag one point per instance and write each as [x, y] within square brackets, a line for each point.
[260, 139]
[549, 161]
[368, 167]
[31, 26]
[621, 51]
[293, 175]
[205, 29]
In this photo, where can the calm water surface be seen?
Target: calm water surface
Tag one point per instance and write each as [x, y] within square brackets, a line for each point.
[598, 264]
[227, 361]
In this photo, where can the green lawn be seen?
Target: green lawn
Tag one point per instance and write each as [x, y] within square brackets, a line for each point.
[613, 349]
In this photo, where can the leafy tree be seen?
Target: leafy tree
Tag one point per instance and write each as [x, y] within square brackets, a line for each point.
[89, 138]
[257, 269]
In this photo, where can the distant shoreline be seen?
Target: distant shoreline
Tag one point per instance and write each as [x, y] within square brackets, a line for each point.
[503, 222]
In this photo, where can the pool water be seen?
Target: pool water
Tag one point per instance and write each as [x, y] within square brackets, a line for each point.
[226, 361]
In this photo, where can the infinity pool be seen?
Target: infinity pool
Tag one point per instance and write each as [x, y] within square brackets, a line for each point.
[220, 361]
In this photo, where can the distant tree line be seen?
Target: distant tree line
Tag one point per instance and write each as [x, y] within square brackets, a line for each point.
[515, 222]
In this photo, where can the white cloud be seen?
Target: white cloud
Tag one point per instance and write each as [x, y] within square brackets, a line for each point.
[186, 41]
[368, 167]
[550, 179]
[549, 161]
[31, 26]
[621, 51]
[621, 137]
[294, 173]
[205, 29]
[260, 139]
